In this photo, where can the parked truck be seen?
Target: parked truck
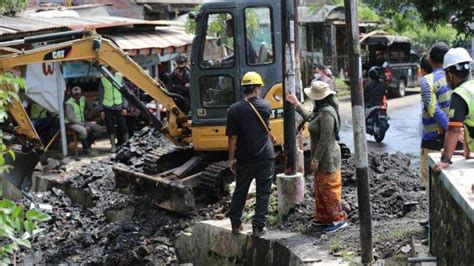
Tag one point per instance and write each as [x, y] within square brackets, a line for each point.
[394, 56]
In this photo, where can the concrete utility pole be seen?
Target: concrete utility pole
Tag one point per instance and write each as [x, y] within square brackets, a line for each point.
[290, 184]
[289, 85]
[358, 122]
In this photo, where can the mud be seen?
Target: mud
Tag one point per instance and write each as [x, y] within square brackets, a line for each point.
[132, 152]
[398, 203]
[95, 224]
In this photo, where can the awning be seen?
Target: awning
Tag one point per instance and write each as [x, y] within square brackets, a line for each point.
[164, 40]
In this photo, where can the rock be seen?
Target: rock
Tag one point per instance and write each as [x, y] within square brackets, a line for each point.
[406, 249]
[163, 240]
[346, 207]
[162, 247]
[51, 164]
[142, 251]
[220, 216]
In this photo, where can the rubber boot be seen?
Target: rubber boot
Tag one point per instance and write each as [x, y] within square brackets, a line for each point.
[85, 146]
[125, 137]
[113, 140]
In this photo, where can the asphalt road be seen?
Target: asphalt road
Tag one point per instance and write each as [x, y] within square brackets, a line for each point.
[403, 134]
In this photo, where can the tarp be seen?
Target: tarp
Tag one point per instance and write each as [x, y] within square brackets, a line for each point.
[45, 85]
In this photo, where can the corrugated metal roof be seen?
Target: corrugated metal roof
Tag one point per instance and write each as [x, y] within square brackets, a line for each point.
[161, 41]
[13, 25]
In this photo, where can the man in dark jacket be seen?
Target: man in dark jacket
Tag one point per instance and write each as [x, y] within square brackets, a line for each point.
[250, 153]
[178, 81]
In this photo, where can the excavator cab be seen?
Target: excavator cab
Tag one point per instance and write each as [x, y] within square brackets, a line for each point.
[233, 38]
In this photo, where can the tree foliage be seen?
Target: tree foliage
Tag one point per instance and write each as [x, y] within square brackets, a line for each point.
[17, 229]
[12, 7]
[433, 13]
[459, 12]
[5, 96]
[365, 12]
[409, 23]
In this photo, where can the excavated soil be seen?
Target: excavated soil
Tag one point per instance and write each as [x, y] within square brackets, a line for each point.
[93, 223]
[398, 203]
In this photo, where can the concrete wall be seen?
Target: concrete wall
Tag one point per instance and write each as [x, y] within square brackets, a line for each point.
[212, 243]
[452, 240]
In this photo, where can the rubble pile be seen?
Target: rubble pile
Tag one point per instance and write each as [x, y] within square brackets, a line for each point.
[93, 223]
[132, 153]
[395, 192]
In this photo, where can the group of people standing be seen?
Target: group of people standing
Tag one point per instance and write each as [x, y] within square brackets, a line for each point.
[114, 109]
[120, 118]
[447, 93]
[448, 121]
[251, 153]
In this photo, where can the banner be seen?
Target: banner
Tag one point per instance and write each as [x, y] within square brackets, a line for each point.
[45, 85]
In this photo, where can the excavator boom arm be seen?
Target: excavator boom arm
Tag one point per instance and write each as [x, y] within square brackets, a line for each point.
[100, 51]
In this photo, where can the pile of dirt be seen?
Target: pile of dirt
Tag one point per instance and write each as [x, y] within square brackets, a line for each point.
[132, 153]
[93, 223]
[397, 198]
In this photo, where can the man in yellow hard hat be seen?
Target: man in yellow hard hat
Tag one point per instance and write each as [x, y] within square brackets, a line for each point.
[250, 152]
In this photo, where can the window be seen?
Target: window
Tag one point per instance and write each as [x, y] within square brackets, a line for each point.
[317, 37]
[217, 91]
[218, 48]
[258, 36]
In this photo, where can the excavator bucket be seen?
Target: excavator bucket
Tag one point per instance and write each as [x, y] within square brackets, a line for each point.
[171, 190]
[23, 165]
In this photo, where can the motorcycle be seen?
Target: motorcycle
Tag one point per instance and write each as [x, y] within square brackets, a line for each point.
[376, 121]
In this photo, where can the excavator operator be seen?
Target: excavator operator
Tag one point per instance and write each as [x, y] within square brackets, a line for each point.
[179, 78]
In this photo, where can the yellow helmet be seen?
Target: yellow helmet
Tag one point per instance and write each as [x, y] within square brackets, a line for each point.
[252, 78]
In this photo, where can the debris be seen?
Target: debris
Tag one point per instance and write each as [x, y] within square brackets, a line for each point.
[406, 249]
[80, 231]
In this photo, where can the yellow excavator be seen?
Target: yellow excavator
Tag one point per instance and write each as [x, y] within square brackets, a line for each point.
[231, 39]
[197, 156]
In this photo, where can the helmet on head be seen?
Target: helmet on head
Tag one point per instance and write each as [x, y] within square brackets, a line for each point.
[458, 57]
[252, 78]
[181, 59]
[374, 73]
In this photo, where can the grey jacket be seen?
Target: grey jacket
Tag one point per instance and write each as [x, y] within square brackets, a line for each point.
[322, 129]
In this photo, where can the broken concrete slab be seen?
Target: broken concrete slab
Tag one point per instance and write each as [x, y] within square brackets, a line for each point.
[212, 243]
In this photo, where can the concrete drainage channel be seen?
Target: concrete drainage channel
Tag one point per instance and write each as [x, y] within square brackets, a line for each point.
[212, 243]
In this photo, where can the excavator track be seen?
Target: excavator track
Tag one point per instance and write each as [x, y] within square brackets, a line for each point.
[165, 158]
[214, 178]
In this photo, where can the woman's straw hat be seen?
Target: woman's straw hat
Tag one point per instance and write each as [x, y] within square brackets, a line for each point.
[318, 90]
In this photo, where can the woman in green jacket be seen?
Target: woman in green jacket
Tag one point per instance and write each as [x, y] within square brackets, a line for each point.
[324, 125]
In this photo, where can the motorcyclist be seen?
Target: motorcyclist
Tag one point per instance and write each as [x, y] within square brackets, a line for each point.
[374, 90]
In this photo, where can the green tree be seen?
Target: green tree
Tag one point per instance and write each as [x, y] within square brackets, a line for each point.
[365, 12]
[12, 7]
[5, 96]
[433, 13]
[17, 229]
[409, 23]
[459, 12]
